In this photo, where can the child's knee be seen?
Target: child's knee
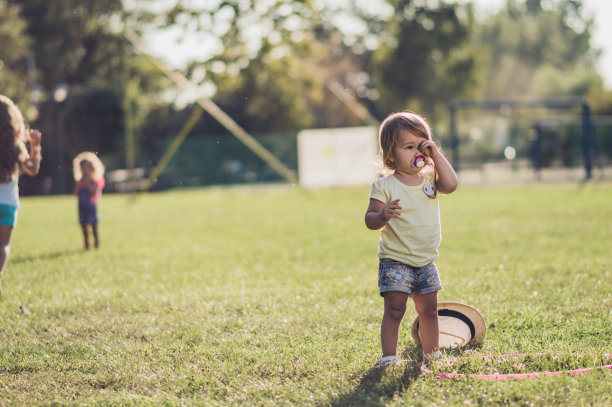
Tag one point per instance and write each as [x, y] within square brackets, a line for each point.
[427, 311]
[396, 311]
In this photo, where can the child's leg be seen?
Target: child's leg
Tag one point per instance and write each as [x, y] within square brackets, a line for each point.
[395, 307]
[5, 248]
[85, 229]
[426, 306]
[94, 230]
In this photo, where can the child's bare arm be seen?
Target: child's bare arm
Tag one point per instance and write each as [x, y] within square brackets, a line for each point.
[447, 180]
[379, 213]
[31, 166]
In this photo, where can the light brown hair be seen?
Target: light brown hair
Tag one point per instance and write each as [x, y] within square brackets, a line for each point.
[13, 135]
[90, 157]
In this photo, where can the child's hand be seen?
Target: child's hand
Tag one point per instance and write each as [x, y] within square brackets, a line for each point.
[35, 137]
[428, 148]
[391, 210]
[446, 178]
[31, 165]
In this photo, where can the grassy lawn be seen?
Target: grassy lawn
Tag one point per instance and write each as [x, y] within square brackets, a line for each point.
[267, 296]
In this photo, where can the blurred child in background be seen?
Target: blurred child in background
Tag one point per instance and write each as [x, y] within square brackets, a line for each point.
[14, 160]
[89, 177]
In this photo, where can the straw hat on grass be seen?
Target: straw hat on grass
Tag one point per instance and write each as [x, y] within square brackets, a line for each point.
[459, 325]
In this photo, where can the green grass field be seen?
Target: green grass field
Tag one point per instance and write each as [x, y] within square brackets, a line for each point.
[268, 296]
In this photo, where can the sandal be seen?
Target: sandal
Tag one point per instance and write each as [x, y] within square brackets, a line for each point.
[388, 361]
[428, 358]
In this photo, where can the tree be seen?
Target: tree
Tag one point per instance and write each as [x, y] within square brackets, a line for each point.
[73, 40]
[271, 61]
[14, 58]
[257, 68]
[87, 75]
[537, 48]
[424, 59]
[76, 53]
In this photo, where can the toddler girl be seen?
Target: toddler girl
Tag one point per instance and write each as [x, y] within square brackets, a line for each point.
[404, 206]
[89, 176]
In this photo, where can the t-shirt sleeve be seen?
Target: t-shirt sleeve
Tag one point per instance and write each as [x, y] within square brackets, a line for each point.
[378, 192]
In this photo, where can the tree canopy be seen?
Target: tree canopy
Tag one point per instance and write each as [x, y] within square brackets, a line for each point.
[16, 59]
[276, 65]
[537, 50]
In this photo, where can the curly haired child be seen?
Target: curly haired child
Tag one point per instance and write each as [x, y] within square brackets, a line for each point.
[89, 181]
[404, 206]
[14, 160]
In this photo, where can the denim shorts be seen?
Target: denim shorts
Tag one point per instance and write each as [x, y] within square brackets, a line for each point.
[8, 215]
[396, 276]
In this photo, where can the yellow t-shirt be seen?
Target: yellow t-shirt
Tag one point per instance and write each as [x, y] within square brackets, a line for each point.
[415, 236]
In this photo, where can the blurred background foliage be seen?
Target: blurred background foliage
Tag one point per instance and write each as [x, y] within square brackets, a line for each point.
[272, 65]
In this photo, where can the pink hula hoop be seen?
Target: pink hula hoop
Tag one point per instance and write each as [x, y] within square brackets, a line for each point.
[516, 376]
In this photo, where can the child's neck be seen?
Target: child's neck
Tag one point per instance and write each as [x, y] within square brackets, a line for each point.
[408, 179]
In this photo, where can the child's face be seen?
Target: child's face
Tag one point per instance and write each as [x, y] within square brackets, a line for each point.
[87, 168]
[406, 149]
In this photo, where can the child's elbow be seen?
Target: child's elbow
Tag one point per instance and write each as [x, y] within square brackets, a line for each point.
[372, 227]
[449, 187]
[372, 224]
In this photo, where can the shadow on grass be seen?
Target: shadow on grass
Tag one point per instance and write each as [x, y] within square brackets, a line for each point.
[45, 256]
[379, 386]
